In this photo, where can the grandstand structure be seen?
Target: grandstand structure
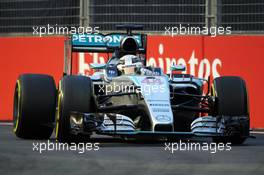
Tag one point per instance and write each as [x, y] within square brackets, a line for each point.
[244, 16]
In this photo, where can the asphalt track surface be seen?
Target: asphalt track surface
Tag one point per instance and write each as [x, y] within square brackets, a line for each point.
[128, 157]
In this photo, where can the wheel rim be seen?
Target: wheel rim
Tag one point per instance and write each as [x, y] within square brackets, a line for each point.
[57, 118]
[17, 102]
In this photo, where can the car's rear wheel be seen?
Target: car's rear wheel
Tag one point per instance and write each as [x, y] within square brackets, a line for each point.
[74, 95]
[232, 103]
[34, 106]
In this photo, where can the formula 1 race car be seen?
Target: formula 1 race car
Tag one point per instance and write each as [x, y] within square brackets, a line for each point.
[127, 98]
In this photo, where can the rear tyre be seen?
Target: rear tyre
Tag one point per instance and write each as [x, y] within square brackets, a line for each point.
[232, 103]
[34, 106]
[74, 95]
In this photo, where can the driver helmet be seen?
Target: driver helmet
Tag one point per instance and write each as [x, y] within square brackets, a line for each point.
[129, 63]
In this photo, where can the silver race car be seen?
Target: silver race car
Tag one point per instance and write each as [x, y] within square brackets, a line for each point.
[126, 98]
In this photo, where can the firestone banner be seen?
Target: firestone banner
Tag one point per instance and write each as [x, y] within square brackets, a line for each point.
[203, 56]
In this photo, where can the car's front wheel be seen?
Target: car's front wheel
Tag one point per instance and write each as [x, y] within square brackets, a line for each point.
[34, 106]
[74, 95]
[232, 103]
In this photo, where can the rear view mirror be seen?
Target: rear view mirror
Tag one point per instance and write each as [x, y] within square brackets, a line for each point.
[179, 67]
[97, 66]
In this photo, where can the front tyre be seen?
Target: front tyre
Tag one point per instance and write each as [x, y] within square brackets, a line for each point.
[34, 106]
[74, 95]
[232, 103]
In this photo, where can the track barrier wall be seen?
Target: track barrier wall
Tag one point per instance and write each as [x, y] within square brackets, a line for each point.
[202, 55]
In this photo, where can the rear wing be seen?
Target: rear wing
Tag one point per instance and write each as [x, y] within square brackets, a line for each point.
[103, 43]
[98, 43]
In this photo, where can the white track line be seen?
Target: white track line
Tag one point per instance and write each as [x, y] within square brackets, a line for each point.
[6, 123]
[257, 132]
